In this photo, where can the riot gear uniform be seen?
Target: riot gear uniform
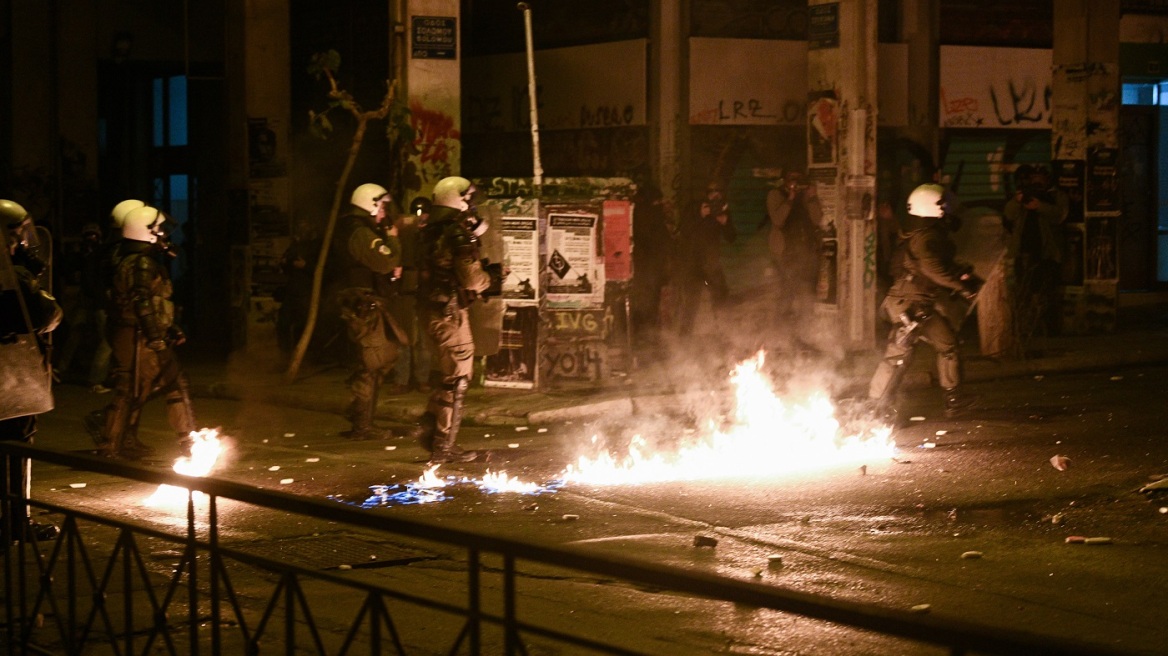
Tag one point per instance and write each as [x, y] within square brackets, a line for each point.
[926, 271]
[143, 334]
[25, 308]
[365, 255]
[451, 275]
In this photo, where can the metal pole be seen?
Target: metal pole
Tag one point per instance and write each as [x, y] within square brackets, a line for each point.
[537, 167]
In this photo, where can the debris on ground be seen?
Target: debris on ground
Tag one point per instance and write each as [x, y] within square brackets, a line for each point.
[972, 555]
[921, 608]
[705, 541]
[1060, 462]
[1160, 485]
[1079, 539]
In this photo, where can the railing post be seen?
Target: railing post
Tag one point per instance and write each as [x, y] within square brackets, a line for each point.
[193, 581]
[510, 628]
[474, 601]
[128, 585]
[290, 615]
[6, 529]
[216, 563]
[70, 537]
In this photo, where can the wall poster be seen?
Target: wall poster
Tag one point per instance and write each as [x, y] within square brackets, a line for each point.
[574, 274]
[514, 365]
[521, 244]
[1101, 236]
[822, 127]
[1103, 180]
[618, 240]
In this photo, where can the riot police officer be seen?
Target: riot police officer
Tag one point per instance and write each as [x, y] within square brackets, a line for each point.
[926, 272]
[367, 253]
[143, 334]
[451, 275]
[25, 308]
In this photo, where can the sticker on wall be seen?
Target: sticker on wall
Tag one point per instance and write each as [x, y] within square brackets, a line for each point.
[822, 127]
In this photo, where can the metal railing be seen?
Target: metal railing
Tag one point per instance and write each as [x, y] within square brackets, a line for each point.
[57, 597]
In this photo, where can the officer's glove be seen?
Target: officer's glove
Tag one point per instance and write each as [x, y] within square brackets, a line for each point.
[495, 271]
[175, 336]
[971, 285]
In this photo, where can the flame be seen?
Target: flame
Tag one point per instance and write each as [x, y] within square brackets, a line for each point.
[502, 482]
[205, 451]
[766, 436]
[430, 479]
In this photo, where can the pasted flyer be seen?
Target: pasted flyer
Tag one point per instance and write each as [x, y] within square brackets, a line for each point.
[572, 256]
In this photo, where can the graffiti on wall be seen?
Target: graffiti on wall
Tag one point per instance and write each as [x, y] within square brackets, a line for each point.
[579, 360]
[727, 89]
[436, 140]
[995, 87]
[576, 89]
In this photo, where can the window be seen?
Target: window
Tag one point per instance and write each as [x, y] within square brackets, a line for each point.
[1145, 93]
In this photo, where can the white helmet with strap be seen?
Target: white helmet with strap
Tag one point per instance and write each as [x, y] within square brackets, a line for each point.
[369, 197]
[118, 214]
[140, 224]
[927, 201]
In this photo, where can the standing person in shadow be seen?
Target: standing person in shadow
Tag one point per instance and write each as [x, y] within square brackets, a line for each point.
[699, 265]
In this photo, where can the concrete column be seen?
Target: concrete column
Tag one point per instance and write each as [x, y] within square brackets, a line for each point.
[920, 26]
[432, 88]
[268, 105]
[841, 158]
[668, 109]
[1085, 101]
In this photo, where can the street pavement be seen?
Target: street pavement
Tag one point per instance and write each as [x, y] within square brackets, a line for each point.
[1141, 337]
[954, 477]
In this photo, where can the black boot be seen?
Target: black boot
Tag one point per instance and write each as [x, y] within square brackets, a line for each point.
[957, 402]
[94, 425]
[453, 454]
[424, 433]
[442, 447]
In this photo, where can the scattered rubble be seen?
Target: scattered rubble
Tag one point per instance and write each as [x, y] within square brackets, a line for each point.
[972, 555]
[1060, 462]
[1079, 539]
[705, 541]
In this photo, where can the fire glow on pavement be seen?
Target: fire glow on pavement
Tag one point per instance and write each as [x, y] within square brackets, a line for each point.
[766, 437]
[205, 451]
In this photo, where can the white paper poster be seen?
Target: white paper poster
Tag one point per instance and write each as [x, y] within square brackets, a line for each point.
[521, 243]
[572, 257]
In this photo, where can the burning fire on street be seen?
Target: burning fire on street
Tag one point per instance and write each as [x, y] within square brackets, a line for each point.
[206, 447]
[764, 436]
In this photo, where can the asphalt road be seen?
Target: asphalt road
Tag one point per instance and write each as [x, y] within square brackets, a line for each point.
[893, 533]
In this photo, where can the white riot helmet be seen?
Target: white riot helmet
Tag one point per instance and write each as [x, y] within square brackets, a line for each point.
[143, 224]
[454, 192]
[118, 214]
[369, 197]
[928, 201]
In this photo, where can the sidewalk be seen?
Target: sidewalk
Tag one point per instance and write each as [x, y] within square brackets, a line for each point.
[1140, 338]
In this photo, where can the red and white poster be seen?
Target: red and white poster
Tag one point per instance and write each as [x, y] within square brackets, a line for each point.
[618, 260]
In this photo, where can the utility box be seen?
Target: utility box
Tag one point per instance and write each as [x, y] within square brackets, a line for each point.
[569, 263]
